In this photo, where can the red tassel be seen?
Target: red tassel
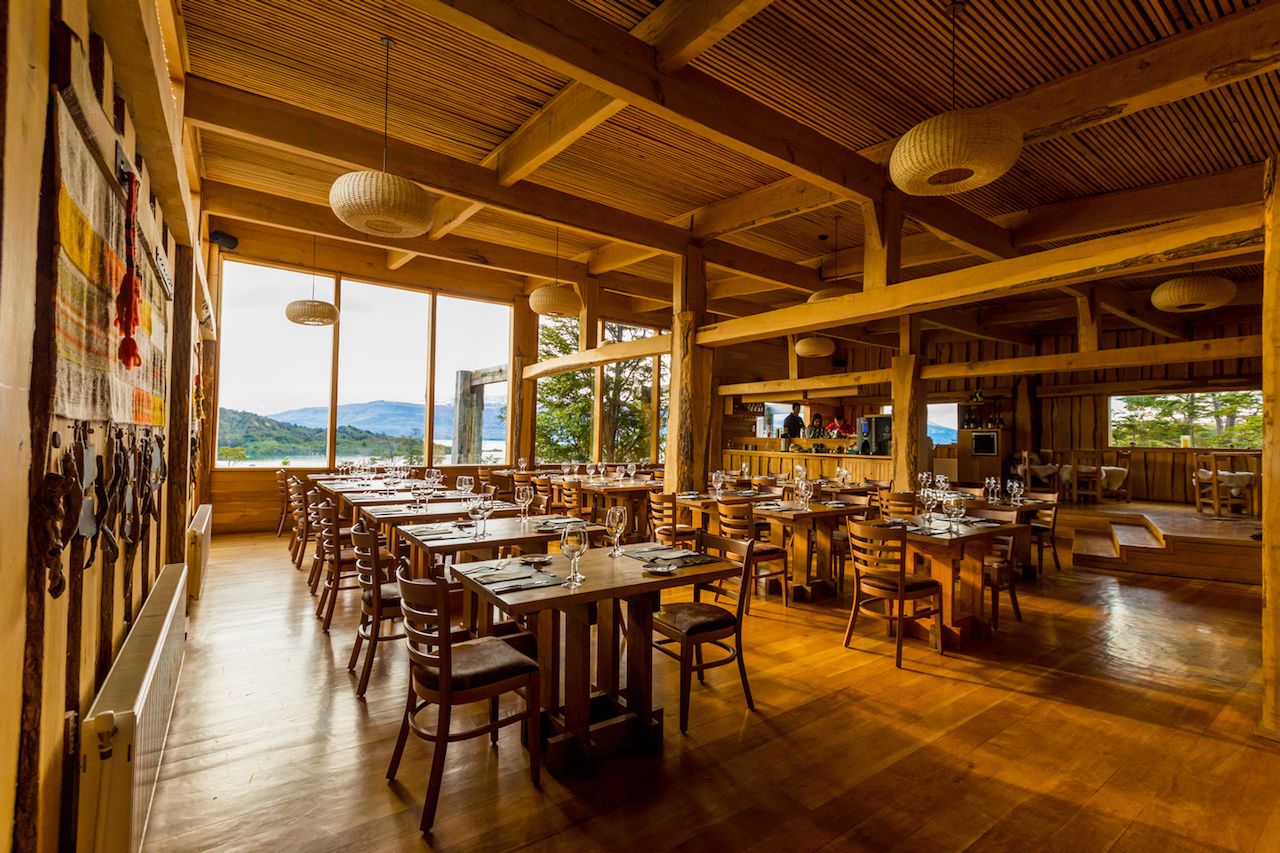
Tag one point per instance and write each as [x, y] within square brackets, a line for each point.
[129, 356]
[129, 299]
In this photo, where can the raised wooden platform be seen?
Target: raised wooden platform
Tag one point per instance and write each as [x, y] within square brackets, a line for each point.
[1163, 539]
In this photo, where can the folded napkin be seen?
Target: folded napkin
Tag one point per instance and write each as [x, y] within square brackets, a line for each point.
[390, 509]
[536, 581]
[557, 520]
[421, 530]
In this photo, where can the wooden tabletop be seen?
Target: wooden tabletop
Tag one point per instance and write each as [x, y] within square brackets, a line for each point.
[796, 511]
[941, 531]
[606, 578]
[408, 513]
[621, 485]
[499, 532]
[703, 501]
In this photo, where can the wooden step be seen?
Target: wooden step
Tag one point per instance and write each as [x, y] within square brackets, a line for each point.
[1127, 535]
[1095, 549]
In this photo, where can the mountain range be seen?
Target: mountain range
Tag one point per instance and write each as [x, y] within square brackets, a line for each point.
[390, 417]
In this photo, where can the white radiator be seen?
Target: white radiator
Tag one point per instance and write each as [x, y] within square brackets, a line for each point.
[122, 736]
[199, 539]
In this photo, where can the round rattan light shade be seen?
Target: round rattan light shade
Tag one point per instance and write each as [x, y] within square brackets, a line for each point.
[555, 300]
[1189, 293]
[815, 346]
[381, 204]
[955, 151]
[829, 293]
[311, 312]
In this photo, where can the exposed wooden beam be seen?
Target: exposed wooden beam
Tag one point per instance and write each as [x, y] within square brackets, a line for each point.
[965, 323]
[578, 44]
[769, 203]
[808, 383]
[1213, 349]
[276, 211]
[615, 256]
[1269, 721]
[1151, 386]
[1233, 48]
[1218, 234]
[882, 241]
[397, 258]
[682, 30]
[1132, 308]
[248, 116]
[607, 353]
[1088, 320]
[293, 250]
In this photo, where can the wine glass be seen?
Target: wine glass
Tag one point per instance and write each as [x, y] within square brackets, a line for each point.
[487, 506]
[421, 496]
[804, 491]
[591, 470]
[801, 472]
[524, 497]
[942, 482]
[717, 482]
[466, 484]
[953, 507]
[564, 469]
[631, 470]
[745, 468]
[573, 544]
[1011, 488]
[522, 464]
[929, 497]
[925, 479]
[574, 466]
[475, 511]
[615, 524]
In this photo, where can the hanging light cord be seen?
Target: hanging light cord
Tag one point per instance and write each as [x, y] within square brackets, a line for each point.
[954, 10]
[387, 92]
[313, 267]
[557, 254]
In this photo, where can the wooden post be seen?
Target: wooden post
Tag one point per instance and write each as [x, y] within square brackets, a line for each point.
[686, 462]
[429, 435]
[793, 358]
[1269, 725]
[463, 414]
[331, 439]
[655, 410]
[209, 385]
[589, 338]
[908, 405]
[1089, 316]
[521, 392]
[882, 241]
[178, 485]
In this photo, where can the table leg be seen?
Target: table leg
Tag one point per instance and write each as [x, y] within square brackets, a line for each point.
[577, 678]
[608, 635]
[639, 689]
[547, 626]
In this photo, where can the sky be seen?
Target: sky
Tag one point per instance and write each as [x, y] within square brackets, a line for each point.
[270, 365]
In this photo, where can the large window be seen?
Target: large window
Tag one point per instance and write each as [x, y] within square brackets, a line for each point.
[473, 348]
[1207, 419]
[942, 421]
[382, 373]
[273, 375]
[628, 404]
[563, 412]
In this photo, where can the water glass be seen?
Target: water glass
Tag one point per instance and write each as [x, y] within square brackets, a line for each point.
[929, 497]
[717, 482]
[615, 524]
[804, 491]
[475, 511]
[746, 470]
[524, 497]
[631, 470]
[573, 544]
[522, 464]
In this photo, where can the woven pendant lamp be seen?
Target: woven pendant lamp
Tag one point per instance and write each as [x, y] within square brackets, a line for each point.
[555, 299]
[958, 150]
[815, 346]
[311, 312]
[828, 293]
[375, 201]
[1189, 293]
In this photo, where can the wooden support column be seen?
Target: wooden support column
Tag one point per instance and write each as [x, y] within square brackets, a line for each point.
[588, 338]
[908, 406]
[689, 402]
[655, 410]
[882, 246]
[1269, 725]
[793, 358]
[1023, 419]
[1089, 316]
[178, 485]
[522, 393]
[429, 434]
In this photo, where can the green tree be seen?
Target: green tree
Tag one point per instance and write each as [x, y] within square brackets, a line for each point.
[1213, 419]
[231, 455]
[563, 417]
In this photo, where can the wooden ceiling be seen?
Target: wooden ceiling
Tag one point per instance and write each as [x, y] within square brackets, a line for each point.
[859, 72]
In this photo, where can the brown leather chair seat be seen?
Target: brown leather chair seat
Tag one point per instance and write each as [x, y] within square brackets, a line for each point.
[476, 663]
[913, 583]
[680, 531]
[390, 595]
[694, 617]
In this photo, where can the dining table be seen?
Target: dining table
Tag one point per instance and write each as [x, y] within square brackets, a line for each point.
[953, 554]
[632, 493]
[703, 506]
[389, 518]
[590, 714]
[812, 544]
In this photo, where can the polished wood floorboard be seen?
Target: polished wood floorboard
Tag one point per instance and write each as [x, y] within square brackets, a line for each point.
[1116, 716]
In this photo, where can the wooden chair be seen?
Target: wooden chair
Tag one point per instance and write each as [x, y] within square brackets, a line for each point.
[379, 600]
[1044, 527]
[1124, 459]
[574, 501]
[446, 673]
[879, 555]
[334, 562]
[302, 530]
[542, 488]
[690, 625]
[663, 520]
[1210, 488]
[737, 521]
[997, 574]
[897, 506]
[521, 478]
[282, 485]
[1085, 484]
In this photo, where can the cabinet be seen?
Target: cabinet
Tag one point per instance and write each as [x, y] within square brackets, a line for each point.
[974, 467]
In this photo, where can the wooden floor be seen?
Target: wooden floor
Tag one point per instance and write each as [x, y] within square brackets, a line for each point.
[1116, 716]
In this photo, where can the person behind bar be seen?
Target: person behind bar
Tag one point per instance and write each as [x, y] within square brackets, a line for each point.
[793, 426]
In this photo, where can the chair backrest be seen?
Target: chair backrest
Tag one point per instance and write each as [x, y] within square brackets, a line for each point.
[370, 571]
[878, 548]
[427, 623]
[490, 489]
[662, 509]
[897, 505]
[1008, 516]
[706, 543]
[881, 484]
[571, 494]
[483, 476]
[329, 524]
[521, 478]
[1124, 458]
[282, 483]
[855, 499]
[542, 487]
[737, 521]
[1048, 516]
[1002, 547]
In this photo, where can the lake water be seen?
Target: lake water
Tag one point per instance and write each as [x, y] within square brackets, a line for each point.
[493, 451]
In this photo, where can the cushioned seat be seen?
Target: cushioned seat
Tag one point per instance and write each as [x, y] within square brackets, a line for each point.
[681, 530]
[764, 552]
[913, 583]
[694, 617]
[476, 663]
[390, 596]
